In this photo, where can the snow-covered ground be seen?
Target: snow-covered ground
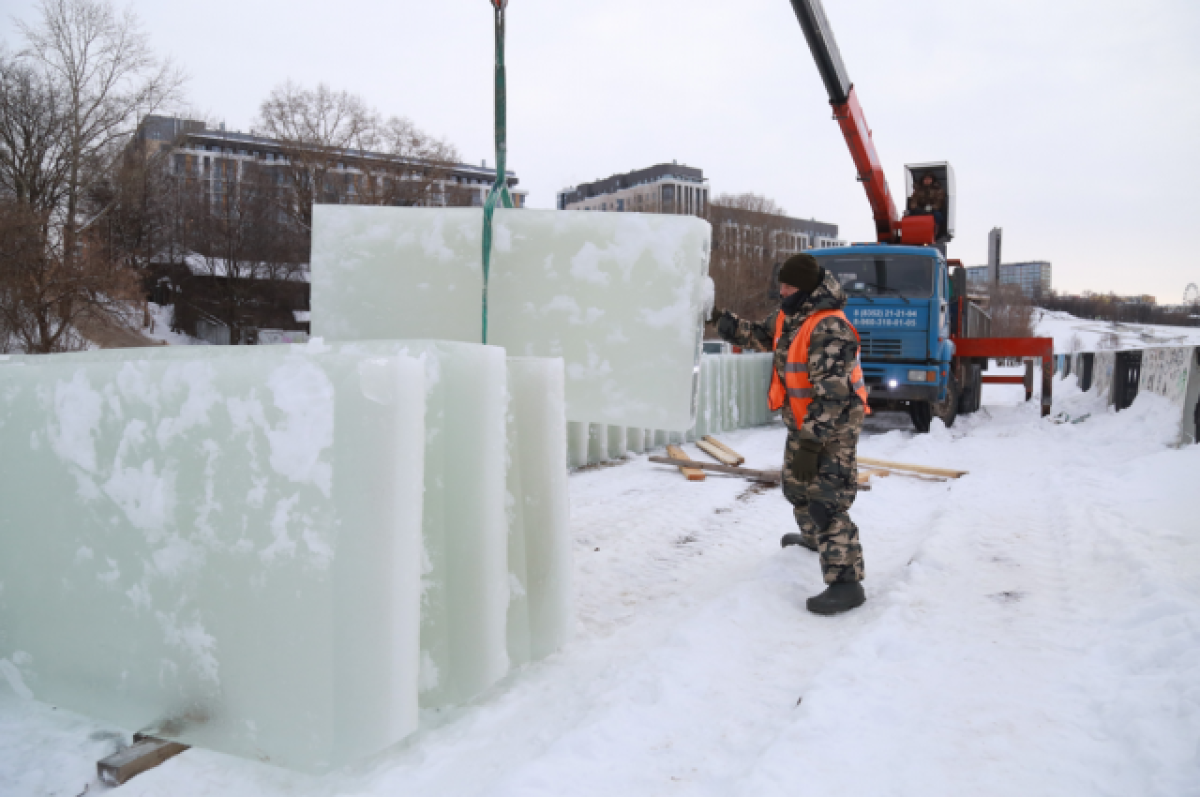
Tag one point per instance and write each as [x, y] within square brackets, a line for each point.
[1033, 628]
[160, 328]
[1078, 334]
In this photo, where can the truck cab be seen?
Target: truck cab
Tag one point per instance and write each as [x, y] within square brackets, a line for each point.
[900, 303]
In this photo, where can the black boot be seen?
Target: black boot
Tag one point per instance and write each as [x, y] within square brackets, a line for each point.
[838, 597]
[798, 539]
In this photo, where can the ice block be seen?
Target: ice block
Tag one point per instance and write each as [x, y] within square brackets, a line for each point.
[540, 612]
[617, 441]
[221, 546]
[465, 581]
[577, 444]
[597, 443]
[619, 296]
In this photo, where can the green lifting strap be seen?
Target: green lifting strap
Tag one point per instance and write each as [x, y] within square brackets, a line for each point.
[499, 191]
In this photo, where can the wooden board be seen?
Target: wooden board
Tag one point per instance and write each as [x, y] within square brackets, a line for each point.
[900, 466]
[145, 753]
[692, 474]
[719, 454]
[769, 476]
[714, 441]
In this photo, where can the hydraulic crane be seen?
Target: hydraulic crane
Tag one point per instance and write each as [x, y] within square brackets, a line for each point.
[914, 229]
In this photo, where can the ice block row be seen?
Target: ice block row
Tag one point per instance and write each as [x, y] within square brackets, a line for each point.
[620, 297]
[280, 552]
[732, 394]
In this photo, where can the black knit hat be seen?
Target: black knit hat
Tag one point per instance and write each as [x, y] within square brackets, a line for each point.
[802, 272]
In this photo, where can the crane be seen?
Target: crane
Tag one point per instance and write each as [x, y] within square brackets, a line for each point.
[890, 227]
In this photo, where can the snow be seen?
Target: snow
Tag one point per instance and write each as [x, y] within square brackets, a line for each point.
[1066, 328]
[162, 316]
[1031, 628]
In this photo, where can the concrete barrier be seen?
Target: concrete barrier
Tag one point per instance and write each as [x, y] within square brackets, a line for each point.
[1172, 372]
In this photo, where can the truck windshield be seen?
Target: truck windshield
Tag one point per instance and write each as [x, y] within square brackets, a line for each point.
[909, 276]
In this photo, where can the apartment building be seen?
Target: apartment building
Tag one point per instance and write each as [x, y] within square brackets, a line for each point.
[665, 188]
[221, 158]
[1033, 277]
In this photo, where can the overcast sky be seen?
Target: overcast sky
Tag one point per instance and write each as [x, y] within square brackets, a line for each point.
[1071, 124]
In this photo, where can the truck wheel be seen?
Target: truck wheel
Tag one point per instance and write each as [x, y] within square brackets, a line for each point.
[969, 400]
[921, 413]
[947, 410]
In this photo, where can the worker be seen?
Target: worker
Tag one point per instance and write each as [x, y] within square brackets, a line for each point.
[929, 199]
[817, 382]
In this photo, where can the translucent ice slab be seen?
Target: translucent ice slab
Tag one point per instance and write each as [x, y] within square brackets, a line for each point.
[222, 545]
[619, 296]
[465, 583]
[540, 611]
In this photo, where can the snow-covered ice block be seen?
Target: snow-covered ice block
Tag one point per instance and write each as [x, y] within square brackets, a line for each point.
[619, 296]
[222, 545]
[540, 608]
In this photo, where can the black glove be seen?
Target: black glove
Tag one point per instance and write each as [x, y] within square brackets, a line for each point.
[727, 326]
[804, 461]
[717, 314]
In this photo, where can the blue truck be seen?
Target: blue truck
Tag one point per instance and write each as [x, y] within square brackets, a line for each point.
[908, 303]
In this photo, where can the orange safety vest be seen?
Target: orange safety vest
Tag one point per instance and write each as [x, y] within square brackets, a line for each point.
[799, 389]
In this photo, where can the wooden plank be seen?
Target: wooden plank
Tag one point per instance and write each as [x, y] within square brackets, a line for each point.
[710, 439]
[771, 476]
[902, 466]
[146, 753]
[719, 454]
[691, 471]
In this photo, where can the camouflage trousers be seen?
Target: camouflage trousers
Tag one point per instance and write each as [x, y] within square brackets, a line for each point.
[822, 505]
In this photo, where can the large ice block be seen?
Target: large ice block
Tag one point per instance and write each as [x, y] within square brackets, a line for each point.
[383, 273]
[222, 545]
[465, 582]
[619, 296]
[540, 612]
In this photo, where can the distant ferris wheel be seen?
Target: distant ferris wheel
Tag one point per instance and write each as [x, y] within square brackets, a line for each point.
[1191, 294]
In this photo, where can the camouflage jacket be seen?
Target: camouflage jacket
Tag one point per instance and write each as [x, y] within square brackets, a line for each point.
[931, 196]
[832, 353]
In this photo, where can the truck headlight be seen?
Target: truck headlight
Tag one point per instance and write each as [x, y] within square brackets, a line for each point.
[920, 376]
[892, 383]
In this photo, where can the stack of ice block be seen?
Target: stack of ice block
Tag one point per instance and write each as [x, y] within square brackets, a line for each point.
[620, 297]
[732, 393]
[280, 552]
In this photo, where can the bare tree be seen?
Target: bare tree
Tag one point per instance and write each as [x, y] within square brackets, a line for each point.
[1011, 311]
[333, 142]
[43, 294]
[107, 77]
[68, 101]
[239, 236]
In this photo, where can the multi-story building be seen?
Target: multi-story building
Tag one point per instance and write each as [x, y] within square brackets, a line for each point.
[678, 189]
[665, 188]
[221, 157]
[1033, 277]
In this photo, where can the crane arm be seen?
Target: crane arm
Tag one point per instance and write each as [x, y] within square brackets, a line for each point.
[849, 116]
